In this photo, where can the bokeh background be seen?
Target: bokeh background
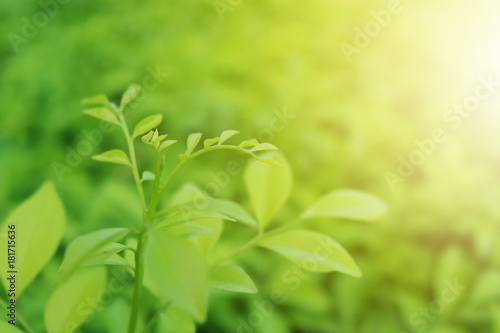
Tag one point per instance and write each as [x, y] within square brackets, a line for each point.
[344, 122]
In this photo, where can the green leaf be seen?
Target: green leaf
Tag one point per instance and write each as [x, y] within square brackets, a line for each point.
[192, 142]
[147, 176]
[176, 270]
[116, 156]
[39, 226]
[107, 255]
[147, 124]
[231, 278]
[69, 305]
[269, 161]
[347, 204]
[191, 196]
[190, 230]
[113, 260]
[147, 137]
[155, 136]
[312, 251]
[98, 99]
[248, 143]
[226, 135]
[129, 95]
[85, 247]
[103, 114]
[268, 187]
[232, 209]
[186, 214]
[9, 328]
[264, 146]
[166, 144]
[158, 140]
[176, 321]
[209, 142]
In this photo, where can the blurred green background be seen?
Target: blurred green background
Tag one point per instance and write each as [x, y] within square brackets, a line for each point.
[275, 70]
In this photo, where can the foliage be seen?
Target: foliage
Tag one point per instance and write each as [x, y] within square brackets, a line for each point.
[170, 250]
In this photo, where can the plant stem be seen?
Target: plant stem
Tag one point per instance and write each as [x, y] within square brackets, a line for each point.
[133, 160]
[139, 276]
[21, 320]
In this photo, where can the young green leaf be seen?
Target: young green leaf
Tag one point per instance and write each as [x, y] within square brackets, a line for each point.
[85, 247]
[158, 140]
[312, 251]
[116, 156]
[175, 320]
[147, 124]
[268, 187]
[147, 176]
[192, 142]
[171, 276]
[269, 161]
[231, 278]
[64, 310]
[155, 137]
[42, 220]
[226, 135]
[98, 99]
[166, 144]
[209, 142]
[130, 94]
[103, 114]
[248, 143]
[264, 146]
[347, 204]
[147, 137]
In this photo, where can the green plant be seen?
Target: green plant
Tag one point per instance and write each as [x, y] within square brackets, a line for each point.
[169, 254]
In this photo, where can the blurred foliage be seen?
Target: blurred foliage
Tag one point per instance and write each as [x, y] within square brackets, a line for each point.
[351, 122]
